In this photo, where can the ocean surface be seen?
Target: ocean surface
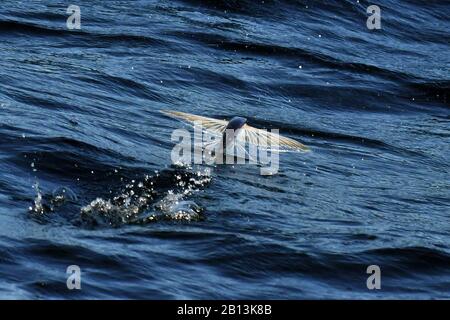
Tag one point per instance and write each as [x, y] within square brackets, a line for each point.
[86, 176]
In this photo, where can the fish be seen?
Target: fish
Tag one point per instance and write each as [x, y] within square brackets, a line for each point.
[241, 132]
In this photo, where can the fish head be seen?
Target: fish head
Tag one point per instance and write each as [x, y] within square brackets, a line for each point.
[236, 123]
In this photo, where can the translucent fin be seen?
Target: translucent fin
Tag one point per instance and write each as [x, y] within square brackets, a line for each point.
[266, 139]
[240, 147]
[214, 125]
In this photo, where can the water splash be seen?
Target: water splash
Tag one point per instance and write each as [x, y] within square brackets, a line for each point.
[63, 195]
[155, 198]
[38, 206]
[161, 196]
[174, 207]
[43, 203]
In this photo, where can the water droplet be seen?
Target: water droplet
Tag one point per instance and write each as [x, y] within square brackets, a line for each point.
[63, 194]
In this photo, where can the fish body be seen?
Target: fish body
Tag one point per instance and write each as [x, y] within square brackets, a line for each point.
[231, 132]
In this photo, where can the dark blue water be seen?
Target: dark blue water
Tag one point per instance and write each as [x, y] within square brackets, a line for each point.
[79, 113]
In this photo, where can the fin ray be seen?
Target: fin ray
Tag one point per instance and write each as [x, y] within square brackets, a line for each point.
[257, 136]
[211, 124]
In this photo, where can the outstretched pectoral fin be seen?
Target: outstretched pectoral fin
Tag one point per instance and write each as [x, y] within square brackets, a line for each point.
[270, 140]
[212, 125]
